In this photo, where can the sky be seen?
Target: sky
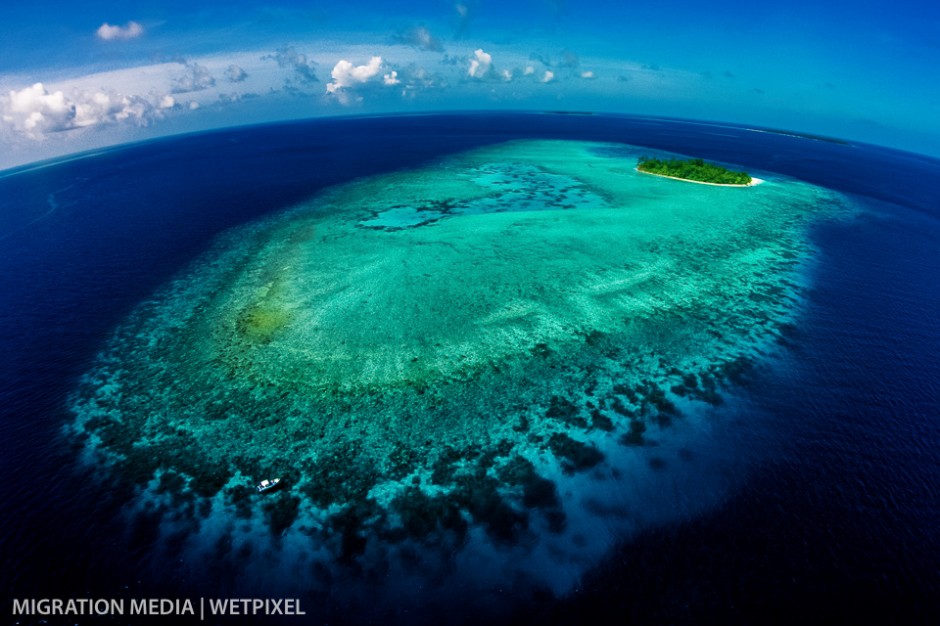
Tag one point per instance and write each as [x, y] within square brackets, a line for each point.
[80, 76]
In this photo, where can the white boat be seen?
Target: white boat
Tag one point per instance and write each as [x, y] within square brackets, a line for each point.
[268, 485]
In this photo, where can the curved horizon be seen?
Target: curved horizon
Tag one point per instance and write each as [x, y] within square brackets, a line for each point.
[82, 78]
[56, 159]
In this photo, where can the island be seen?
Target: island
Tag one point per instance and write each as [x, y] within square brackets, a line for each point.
[695, 170]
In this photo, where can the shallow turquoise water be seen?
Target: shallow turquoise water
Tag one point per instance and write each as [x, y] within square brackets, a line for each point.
[454, 357]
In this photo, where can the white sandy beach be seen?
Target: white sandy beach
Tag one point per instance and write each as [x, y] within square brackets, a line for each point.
[754, 180]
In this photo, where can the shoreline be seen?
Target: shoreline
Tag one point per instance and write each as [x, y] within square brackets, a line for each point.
[754, 180]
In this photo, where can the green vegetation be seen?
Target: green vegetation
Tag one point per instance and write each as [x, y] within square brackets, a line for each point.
[693, 169]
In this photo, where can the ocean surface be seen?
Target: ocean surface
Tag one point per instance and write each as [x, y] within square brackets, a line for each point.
[811, 492]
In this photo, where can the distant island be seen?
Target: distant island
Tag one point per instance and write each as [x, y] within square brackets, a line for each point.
[790, 133]
[694, 170]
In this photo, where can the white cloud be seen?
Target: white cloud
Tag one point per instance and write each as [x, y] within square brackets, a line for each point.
[529, 70]
[587, 74]
[235, 74]
[506, 74]
[346, 75]
[479, 64]
[167, 102]
[391, 78]
[548, 76]
[196, 78]
[34, 111]
[128, 31]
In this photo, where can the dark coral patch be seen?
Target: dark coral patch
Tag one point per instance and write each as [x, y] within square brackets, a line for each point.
[479, 495]
[342, 475]
[541, 493]
[601, 421]
[421, 514]
[635, 436]
[565, 411]
[575, 456]
[281, 512]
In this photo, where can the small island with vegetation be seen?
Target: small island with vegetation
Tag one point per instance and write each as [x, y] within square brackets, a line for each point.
[694, 170]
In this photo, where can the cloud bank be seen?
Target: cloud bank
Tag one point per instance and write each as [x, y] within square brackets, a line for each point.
[160, 98]
[34, 111]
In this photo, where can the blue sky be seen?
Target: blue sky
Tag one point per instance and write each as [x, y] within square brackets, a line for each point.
[75, 76]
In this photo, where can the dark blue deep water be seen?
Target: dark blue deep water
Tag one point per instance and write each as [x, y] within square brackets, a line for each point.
[840, 523]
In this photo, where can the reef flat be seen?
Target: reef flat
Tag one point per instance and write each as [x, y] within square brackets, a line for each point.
[430, 351]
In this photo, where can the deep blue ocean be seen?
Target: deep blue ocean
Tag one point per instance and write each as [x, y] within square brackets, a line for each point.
[837, 522]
